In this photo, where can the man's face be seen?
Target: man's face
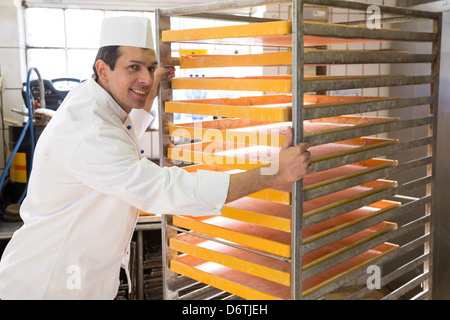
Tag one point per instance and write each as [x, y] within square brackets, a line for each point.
[132, 78]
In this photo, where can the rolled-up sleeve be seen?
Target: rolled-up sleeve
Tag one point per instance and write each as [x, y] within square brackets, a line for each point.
[213, 187]
[141, 120]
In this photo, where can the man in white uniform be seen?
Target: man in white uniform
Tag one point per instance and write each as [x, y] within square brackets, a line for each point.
[89, 178]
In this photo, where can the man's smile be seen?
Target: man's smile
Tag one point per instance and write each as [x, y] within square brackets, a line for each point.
[139, 92]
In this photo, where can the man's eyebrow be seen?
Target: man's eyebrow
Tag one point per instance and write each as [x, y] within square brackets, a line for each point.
[143, 63]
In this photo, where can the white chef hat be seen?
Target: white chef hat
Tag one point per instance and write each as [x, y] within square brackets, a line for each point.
[126, 31]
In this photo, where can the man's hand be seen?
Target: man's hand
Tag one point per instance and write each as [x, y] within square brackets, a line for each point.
[159, 73]
[294, 162]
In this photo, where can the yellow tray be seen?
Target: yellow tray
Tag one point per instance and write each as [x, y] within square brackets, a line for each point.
[276, 33]
[221, 61]
[282, 193]
[261, 238]
[268, 107]
[251, 287]
[266, 267]
[265, 107]
[193, 61]
[281, 83]
[268, 133]
[250, 234]
[278, 216]
[240, 156]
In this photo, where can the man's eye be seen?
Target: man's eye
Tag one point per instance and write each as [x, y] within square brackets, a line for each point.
[134, 67]
[151, 69]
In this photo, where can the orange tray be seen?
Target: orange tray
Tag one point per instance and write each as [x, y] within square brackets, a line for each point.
[253, 235]
[251, 287]
[240, 156]
[282, 193]
[277, 33]
[280, 83]
[278, 216]
[263, 266]
[268, 133]
[265, 107]
[193, 61]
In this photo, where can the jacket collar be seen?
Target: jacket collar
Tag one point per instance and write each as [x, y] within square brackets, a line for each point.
[105, 99]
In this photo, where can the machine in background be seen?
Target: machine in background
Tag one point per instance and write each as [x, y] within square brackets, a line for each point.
[41, 99]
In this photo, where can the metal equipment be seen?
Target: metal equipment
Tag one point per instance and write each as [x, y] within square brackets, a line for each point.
[320, 234]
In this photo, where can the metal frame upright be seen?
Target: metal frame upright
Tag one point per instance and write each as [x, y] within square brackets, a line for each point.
[173, 284]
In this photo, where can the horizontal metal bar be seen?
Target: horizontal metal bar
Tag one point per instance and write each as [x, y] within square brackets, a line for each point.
[332, 262]
[205, 293]
[181, 283]
[222, 5]
[148, 226]
[414, 184]
[365, 57]
[367, 82]
[407, 267]
[328, 110]
[327, 214]
[227, 17]
[373, 153]
[379, 174]
[407, 287]
[390, 20]
[347, 183]
[391, 214]
[353, 275]
[347, 278]
[216, 6]
[356, 5]
[408, 165]
[330, 213]
[424, 295]
[339, 31]
[350, 133]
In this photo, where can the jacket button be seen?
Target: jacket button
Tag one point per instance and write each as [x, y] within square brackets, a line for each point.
[142, 151]
[128, 127]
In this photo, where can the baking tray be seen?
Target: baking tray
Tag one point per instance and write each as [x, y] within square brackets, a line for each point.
[251, 287]
[263, 266]
[278, 216]
[278, 83]
[260, 235]
[265, 107]
[193, 61]
[241, 156]
[269, 133]
[277, 34]
[282, 193]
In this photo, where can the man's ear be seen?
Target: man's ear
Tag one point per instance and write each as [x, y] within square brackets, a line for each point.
[102, 70]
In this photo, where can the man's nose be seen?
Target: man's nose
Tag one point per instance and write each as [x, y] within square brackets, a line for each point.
[145, 77]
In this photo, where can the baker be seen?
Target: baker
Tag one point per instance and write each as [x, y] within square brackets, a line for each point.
[89, 178]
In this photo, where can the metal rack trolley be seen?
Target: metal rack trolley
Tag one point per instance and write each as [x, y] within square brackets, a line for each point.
[417, 227]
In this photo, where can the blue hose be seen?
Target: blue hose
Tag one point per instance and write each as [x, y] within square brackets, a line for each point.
[28, 126]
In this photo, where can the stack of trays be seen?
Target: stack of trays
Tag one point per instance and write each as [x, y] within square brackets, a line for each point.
[246, 250]
[262, 222]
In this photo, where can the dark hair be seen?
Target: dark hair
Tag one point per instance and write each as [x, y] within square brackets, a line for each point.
[109, 54]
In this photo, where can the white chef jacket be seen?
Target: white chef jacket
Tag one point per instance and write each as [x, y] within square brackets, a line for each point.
[88, 181]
